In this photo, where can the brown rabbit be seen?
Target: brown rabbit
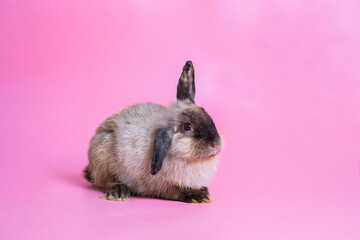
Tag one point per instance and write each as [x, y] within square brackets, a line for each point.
[153, 151]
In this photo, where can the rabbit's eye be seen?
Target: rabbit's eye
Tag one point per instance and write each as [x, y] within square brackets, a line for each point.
[187, 127]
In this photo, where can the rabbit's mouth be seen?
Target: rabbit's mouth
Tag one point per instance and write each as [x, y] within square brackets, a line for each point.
[211, 154]
[214, 152]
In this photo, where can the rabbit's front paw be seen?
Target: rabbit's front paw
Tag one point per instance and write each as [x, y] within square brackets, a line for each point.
[196, 196]
[120, 192]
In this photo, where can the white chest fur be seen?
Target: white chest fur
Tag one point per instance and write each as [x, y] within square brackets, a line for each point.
[189, 174]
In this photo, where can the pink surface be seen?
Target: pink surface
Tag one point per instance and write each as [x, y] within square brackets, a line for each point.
[280, 78]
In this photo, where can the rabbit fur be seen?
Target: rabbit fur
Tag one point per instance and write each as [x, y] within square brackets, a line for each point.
[153, 151]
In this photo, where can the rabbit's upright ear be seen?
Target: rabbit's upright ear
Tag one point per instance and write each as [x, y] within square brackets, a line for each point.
[186, 85]
[161, 146]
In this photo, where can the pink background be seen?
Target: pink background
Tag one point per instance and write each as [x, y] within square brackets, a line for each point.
[280, 78]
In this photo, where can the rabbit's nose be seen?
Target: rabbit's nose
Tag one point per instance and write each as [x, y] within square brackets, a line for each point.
[215, 144]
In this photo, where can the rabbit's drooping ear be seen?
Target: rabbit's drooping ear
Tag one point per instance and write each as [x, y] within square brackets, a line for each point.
[161, 146]
[186, 85]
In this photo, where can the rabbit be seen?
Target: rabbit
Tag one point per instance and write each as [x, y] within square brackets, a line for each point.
[152, 151]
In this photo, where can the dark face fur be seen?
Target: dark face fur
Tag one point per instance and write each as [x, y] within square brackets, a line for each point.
[195, 123]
